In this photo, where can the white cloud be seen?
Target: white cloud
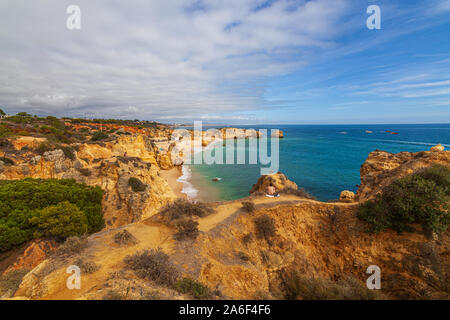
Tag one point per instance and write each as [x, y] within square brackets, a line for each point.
[162, 57]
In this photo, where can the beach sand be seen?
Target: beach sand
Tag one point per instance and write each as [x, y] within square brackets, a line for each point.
[171, 177]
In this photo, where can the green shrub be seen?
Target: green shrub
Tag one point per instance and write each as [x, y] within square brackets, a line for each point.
[99, 135]
[9, 283]
[5, 131]
[423, 197]
[44, 147]
[194, 288]
[186, 229]
[22, 216]
[136, 185]
[248, 206]
[181, 208]
[265, 227]
[7, 161]
[69, 152]
[60, 221]
[154, 265]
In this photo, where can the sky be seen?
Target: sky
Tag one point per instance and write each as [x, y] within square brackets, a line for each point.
[228, 61]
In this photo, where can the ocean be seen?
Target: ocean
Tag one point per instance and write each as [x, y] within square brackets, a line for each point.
[322, 159]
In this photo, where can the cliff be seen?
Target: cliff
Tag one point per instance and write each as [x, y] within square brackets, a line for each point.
[324, 242]
[108, 165]
[381, 168]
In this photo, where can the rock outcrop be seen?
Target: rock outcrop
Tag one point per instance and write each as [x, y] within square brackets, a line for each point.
[437, 148]
[36, 252]
[278, 180]
[347, 196]
[105, 165]
[381, 168]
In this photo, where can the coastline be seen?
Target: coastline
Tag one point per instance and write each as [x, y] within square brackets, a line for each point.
[182, 181]
[172, 177]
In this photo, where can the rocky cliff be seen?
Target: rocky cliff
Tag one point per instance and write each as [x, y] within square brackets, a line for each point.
[381, 168]
[108, 165]
[320, 241]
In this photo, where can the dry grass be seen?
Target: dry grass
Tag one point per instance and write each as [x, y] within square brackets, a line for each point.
[182, 208]
[153, 265]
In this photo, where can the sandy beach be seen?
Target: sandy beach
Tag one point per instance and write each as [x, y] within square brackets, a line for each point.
[171, 177]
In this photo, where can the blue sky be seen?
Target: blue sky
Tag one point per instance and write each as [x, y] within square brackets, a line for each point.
[231, 61]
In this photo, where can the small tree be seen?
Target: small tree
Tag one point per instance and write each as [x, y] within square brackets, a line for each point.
[99, 135]
[60, 221]
[423, 197]
[2, 113]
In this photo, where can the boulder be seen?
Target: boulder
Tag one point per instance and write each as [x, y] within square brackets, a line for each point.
[278, 180]
[437, 148]
[347, 196]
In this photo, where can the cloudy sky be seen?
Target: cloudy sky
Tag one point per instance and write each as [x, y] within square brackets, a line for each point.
[228, 61]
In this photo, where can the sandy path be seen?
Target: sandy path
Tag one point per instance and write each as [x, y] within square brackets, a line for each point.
[225, 210]
[109, 255]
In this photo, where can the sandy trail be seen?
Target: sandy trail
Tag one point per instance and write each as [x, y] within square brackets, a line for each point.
[107, 254]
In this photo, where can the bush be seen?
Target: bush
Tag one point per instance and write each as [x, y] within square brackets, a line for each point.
[113, 295]
[136, 185]
[44, 147]
[87, 267]
[99, 135]
[22, 216]
[194, 288]
[124, 238]
[265, 227]
[10, 282]
[248, 206]
[154, 265]
[296, 286]
[71, 246]
[186, 229]
[69, 152]
[60, 221]
[7, 161]
[297, 192]
[182, 208]
[423, 197]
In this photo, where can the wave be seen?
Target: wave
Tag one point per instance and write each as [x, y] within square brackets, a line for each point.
[188, 188]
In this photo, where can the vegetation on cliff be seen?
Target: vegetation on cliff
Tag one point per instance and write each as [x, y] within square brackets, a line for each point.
[32, 208]
[423, 197]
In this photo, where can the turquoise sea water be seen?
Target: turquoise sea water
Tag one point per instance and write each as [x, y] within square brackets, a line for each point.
[322, 159]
